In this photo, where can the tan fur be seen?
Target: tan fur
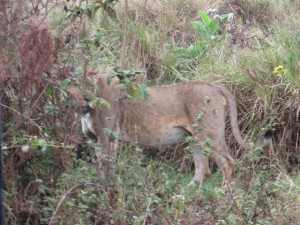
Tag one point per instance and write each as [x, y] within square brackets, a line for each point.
[167, 117]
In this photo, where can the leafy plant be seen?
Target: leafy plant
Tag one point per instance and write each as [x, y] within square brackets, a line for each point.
[95, 101]
[91, 9]
[207, 29]
[133, 91]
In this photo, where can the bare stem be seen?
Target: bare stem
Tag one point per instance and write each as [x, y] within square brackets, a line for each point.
[64, 196]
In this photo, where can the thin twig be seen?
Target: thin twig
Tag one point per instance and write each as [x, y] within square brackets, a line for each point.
[64, 196]
[125, 36]
[147, 212]
[30, 111]
[26, 117]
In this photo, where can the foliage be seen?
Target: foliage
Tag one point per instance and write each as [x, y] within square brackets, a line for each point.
[207, 30]
[133, 91]
[95, 101]
[262, 194]
[90, 9]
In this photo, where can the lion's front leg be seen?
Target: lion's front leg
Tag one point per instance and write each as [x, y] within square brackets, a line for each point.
[106, 157]
[107, 152]
[113, 140]
[112, 155]
[100, 159]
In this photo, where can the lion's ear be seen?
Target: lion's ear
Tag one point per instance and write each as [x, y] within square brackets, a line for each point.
[102, 83]
[110, 77]
[75, 94]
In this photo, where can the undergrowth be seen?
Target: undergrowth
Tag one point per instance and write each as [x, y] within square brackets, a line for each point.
[156, 193]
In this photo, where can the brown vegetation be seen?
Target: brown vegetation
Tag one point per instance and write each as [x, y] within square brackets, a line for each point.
[37, 49]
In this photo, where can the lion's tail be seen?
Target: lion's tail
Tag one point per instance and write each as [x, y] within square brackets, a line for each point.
[233, 118]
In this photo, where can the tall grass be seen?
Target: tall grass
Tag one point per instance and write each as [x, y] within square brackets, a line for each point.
[264, 39]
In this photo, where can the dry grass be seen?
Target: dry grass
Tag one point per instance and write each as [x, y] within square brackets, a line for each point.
[262, 12]
[153, 26]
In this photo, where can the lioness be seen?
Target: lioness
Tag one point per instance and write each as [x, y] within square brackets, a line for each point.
[171, 113]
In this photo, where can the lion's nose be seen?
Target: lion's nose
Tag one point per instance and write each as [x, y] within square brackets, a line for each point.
[86, 109]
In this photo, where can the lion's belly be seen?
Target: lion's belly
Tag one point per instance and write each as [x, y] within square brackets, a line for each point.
[158, 137]
[173, 135]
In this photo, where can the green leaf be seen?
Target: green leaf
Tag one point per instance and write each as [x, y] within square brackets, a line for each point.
[42, 142]
[208, 142]
[143, 91]
[201, 45]
[191, 48]
[103, 103]
[65, 83]
[122, 87]
[126, 82]
[205, 18]
[213, 26]
[127, 72]
[134, 93]
[188, 149]
[34, 144]
[44, 148]
[201, 114]
[106, 131]
[223, 16]
[99, 102]
[197, 25]
[48, 91]
[94, 101]
[100, 32]
[188, 138]
[206, 150]
[258, 149]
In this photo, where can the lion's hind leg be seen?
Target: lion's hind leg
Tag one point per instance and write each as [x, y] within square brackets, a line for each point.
[224, 161]
[201, 164]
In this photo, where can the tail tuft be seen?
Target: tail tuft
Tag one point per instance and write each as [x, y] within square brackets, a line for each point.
[268, 137]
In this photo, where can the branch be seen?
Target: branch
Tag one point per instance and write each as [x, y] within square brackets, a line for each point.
[64, 196]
